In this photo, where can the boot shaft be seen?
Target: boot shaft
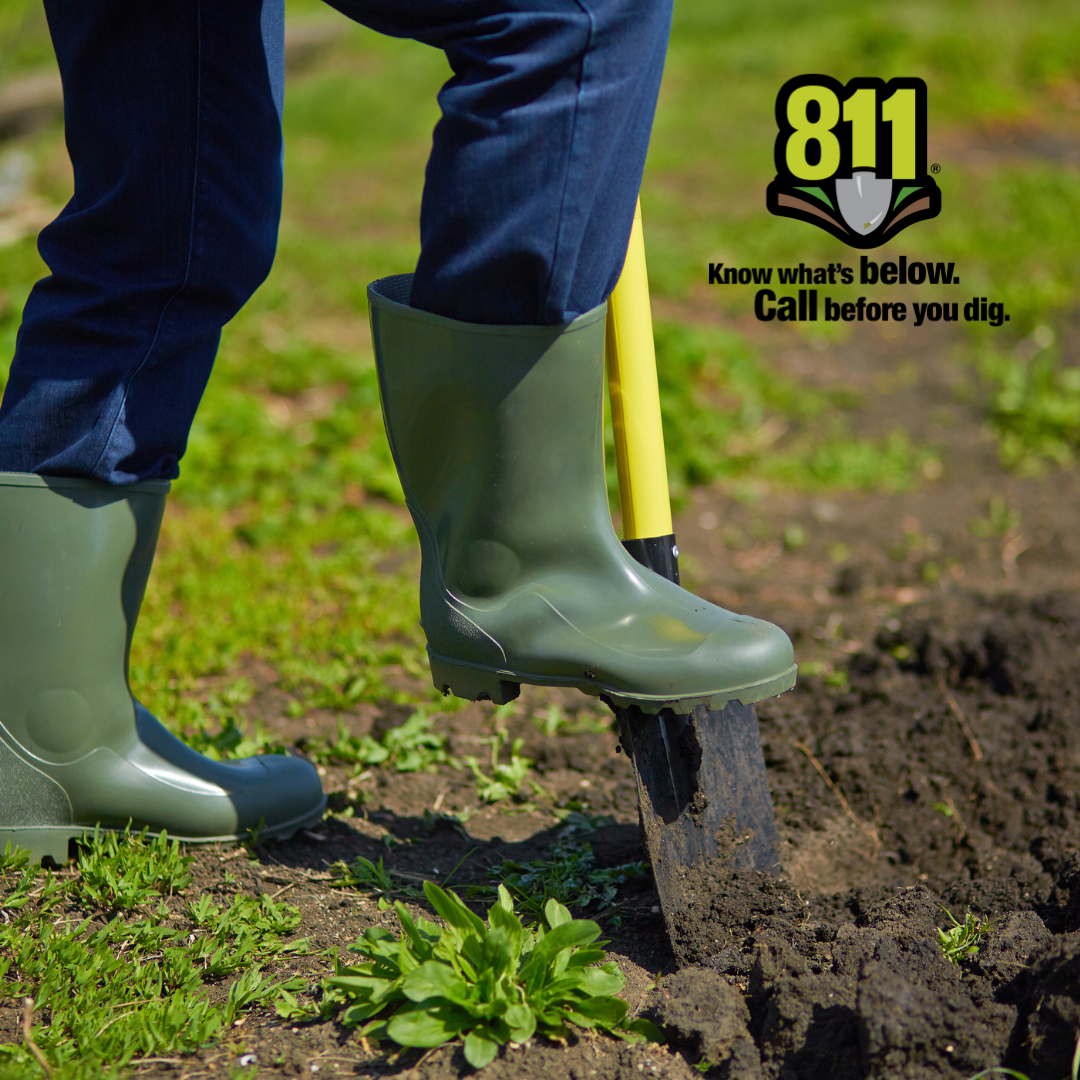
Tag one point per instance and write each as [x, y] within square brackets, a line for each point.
[76, 556]
[497, 433]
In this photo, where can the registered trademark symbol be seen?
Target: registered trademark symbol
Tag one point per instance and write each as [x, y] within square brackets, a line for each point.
[935, 168]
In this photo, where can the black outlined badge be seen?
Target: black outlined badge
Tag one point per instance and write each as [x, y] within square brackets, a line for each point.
[852, 159]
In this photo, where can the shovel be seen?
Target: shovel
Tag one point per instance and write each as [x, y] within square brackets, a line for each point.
[702, 791]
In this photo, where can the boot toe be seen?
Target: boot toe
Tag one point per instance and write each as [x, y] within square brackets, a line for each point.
[745, 653]
[289, 798]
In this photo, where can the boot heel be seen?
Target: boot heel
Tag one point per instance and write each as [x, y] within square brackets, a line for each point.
[44, 842]
[472, 683]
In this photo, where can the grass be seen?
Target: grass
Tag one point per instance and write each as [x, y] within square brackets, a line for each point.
[125, 966]
[568, 874]
[410, 747]
[507, 779]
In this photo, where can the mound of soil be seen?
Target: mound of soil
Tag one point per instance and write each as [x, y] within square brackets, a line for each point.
[952, 759]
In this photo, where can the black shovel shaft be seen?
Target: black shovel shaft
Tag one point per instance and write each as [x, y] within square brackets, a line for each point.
[658, 553]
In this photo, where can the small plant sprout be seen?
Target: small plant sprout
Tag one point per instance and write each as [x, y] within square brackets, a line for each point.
[568, 875]
[506, 780]
[961, 941]
[409, 747]
[551, 720]
[487, 983]
[370, 877]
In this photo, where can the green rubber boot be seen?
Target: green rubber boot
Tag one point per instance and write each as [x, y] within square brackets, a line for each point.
[497, 433]
[76, 749]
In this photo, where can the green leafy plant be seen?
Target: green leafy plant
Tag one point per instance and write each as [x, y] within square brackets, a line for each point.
[506, 778]
[409, 747]
[371, 877]
[554, 721]
[232, 741]
[488, 983]
[216, 728]
[551, 720]
[962, 940]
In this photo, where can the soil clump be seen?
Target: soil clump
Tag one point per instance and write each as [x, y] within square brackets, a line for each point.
[854, 983]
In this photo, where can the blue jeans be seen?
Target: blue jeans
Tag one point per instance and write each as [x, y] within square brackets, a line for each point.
[173, 119]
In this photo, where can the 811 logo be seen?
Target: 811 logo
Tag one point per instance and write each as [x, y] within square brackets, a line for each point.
[852, 159]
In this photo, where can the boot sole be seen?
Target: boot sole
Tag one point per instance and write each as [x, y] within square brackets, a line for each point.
[477, 683]
[51, 841]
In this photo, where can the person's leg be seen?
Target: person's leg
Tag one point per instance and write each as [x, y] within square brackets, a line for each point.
[174, 128]
[537, 160]
[172, 113]
[491, 361]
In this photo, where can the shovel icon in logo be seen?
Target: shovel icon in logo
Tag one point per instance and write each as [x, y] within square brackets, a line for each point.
[852, 159]
[864, 200]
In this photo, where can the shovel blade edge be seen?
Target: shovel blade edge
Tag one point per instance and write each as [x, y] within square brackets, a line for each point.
[703, 795]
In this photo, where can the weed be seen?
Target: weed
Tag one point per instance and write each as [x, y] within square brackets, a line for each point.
[553, 721]
[1000, 520]
[550, 721]
[370, 877]
[409, 747]
[13, 858]
[961, 940]
[231, 741]
[489, 983]
[568, 875]
[506, 779]
[363, 874]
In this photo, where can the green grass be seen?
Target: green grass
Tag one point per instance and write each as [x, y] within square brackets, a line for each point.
[410, 747]
[725, 413]
[503, 780]
[125, 967]
[963, 939]
[567, 874]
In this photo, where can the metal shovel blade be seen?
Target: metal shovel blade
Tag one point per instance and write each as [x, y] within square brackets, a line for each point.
[703, 797]
[864, 200]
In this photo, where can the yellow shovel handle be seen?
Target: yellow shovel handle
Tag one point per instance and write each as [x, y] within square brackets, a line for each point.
[635, 399]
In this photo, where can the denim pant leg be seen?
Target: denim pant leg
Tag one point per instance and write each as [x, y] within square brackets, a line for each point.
[172, 114]
[537, 160]
[174, 129]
